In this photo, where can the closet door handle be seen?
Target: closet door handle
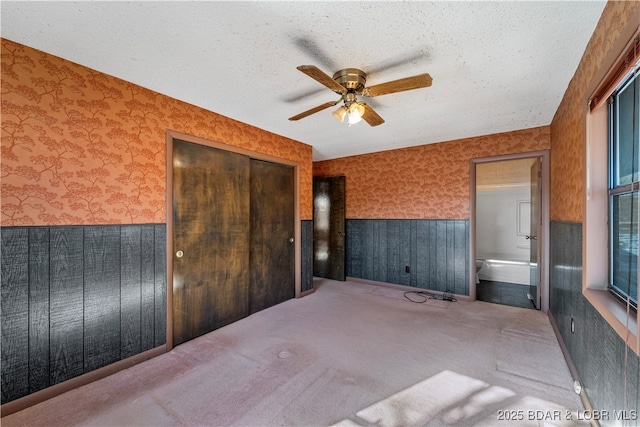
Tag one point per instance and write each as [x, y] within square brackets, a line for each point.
[291, 240]
[531, 237]
[179, 254]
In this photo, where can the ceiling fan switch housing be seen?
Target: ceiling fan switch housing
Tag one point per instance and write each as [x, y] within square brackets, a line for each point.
[351, 78]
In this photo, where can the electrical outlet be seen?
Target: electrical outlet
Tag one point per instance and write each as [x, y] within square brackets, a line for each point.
[573, 326]
[407, 269]
[577, 387]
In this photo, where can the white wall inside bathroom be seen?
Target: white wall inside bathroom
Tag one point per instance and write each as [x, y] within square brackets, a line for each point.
[502, 220]
[502, 224]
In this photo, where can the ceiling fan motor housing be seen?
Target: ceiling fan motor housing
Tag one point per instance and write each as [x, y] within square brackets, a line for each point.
[351, 78]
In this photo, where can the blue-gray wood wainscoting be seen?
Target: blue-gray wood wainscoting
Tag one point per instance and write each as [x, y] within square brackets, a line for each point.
[596, 350]
[78, 298]
[436, 252]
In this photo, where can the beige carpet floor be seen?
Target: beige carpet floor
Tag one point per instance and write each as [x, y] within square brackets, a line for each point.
[349, 354]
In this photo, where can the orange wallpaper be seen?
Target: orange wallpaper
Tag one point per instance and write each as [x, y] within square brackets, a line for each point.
[425, 182]
[82, 147]
[568, 137]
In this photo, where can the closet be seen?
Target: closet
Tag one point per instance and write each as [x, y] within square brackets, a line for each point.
[233, 237]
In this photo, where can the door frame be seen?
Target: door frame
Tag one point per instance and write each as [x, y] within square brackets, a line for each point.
[544, 213]
[170, 135]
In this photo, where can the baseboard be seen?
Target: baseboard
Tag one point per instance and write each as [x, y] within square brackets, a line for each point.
[55, 390]
[404, 287]
[307, 292]
[572, 367]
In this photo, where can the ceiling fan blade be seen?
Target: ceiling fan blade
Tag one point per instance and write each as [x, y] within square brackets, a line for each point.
[371, 117]
[408, 83]
[313, 49]
[314, 110]
[320, 76]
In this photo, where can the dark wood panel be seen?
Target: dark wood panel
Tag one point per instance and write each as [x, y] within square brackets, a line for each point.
[66, 304]
[38, 308]
[460, 271]
[436, 252]
[101, 296]
[130, 290]
[82, 301]
[405, 252]
[147, 287]
[422, 266]
[15, 313]
[433, 254]
[354, 245]
[441, 255]
[393, 251]
[160, 285]
[211, 204]
[367, 248]
[306, 255]
[413, 252]
[380, 250]
[595, 348]
[329, 227]
[450, 259]
[272, 249]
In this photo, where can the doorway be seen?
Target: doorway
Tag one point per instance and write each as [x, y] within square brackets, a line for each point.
[329, 236]
[509, 217]
[233, 241]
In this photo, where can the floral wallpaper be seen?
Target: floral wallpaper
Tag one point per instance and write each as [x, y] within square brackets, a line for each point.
[81, 147]
[568, 127]
[425, 182]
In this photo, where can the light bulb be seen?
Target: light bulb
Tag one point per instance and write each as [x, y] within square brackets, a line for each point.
[340, 113]
[356, 110]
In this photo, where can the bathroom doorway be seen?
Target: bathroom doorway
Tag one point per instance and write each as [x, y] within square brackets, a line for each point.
[509, 213]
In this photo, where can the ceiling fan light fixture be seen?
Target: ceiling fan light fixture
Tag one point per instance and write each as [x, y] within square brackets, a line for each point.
[356, 111]
[340, 113]
[350, 83]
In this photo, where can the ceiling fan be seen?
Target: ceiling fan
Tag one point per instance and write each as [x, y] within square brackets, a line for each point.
[349, 83]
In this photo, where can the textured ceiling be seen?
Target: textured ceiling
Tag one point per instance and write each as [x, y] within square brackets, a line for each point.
[496, 66]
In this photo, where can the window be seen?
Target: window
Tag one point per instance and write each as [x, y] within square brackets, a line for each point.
[612, 190]
[624, 187]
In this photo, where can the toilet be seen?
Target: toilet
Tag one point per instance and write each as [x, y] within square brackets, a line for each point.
[479, 265]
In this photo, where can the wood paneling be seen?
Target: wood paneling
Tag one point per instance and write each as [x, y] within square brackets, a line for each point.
[38, 308]
[435, 251]
[596, 349]
[147, 288]
[272, 254]
[72, 300]
[306, 255]
[15, 313]
[102, 272]
[66, 304]
[160, 285]
[130, 290]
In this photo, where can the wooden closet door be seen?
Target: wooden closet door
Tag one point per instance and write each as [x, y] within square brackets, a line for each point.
[210, 239]
[272, 232]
